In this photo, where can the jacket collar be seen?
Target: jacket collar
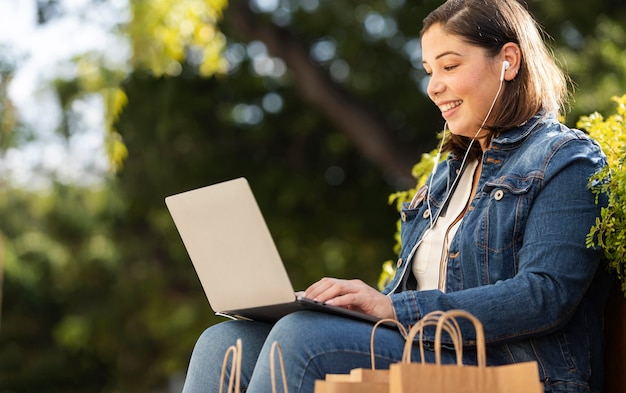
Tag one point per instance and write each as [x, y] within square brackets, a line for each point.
[515, 135]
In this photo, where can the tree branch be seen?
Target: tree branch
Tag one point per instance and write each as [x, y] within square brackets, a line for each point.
[353, 117]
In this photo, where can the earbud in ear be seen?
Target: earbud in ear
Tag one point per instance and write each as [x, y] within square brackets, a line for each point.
[505, 66]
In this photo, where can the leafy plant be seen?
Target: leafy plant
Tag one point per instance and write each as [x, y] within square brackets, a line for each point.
[609, 232]
[420, 171]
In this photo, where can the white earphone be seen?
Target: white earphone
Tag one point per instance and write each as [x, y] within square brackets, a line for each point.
[505, 66]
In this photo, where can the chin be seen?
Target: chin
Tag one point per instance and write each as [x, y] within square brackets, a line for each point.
[455, 131]
[463, 131]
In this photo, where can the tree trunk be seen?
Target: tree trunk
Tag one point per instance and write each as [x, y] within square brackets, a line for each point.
[356, 119]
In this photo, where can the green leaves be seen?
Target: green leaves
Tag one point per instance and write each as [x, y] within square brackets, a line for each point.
[609, 233]
[163, 32]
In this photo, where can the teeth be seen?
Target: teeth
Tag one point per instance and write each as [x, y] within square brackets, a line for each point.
[450, 105]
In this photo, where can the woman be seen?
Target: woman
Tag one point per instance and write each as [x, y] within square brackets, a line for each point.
[499, 229]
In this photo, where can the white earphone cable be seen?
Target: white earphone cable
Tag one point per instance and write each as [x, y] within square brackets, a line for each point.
[433, 220]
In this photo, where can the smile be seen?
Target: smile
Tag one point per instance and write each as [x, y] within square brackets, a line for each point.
[450, 105]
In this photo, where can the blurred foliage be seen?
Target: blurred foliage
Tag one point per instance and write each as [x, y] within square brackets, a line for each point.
[93, 78]
[59, 292]
[420, 171]
[590, 41]
[12, 131]
[307, 179]
[99, 293]
[598, 68]
[8, 120]
[164, 33]
[610, 229]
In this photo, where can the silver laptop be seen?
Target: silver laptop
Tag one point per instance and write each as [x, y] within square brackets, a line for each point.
[234, 254]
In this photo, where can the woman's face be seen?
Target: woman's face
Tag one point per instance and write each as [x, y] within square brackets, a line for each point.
[463, 82]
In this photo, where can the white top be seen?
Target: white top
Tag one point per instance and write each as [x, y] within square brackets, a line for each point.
[429, 261]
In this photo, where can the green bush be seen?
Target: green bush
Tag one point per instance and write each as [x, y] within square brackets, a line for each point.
[609, 232]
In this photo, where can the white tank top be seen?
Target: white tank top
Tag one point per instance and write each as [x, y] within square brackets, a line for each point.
[429, 262]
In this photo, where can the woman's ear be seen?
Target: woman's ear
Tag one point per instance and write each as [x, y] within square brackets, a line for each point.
[511, 53]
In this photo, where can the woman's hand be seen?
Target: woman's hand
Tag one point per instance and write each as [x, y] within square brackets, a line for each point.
[351, 294]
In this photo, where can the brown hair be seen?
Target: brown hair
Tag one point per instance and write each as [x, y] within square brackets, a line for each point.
[539, 85]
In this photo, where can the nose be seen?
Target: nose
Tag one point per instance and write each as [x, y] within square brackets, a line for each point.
[435, 86]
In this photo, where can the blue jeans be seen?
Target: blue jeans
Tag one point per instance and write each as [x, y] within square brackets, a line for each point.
[313, 344]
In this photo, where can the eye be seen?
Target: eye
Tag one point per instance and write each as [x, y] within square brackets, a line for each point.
[450, 67]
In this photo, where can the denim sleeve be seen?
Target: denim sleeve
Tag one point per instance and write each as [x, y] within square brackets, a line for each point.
[555, 268]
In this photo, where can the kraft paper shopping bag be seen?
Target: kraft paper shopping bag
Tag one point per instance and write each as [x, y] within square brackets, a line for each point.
[419, 377]
[360, 380]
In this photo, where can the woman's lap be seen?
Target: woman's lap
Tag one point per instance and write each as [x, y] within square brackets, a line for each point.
[313, 344]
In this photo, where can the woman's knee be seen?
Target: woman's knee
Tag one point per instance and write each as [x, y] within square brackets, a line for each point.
[215, 340]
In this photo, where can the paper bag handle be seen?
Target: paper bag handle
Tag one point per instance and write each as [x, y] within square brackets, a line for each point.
[273, 350]
[380, 322]
[235, 368]
[478, 327]
[432, 319]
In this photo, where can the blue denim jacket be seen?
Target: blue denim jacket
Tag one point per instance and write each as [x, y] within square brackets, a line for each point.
[518, 261]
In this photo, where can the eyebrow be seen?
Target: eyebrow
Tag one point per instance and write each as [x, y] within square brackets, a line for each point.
[446, 53]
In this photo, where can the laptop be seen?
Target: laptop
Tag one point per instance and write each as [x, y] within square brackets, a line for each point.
[235, 257]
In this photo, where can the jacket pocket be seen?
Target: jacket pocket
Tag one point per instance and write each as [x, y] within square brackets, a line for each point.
[505, 204]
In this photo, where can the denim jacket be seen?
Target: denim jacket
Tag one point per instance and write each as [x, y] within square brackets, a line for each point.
[519, 262]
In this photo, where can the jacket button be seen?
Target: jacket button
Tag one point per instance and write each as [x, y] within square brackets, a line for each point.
[399, 263]
[426, 213]
[403, 216]
[498, 195]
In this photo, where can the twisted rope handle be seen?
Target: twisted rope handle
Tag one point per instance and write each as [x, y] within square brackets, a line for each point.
[235, 368]
[276, 348]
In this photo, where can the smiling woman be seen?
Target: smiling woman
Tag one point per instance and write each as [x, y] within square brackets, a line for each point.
[465, 103]
[533, 81]
[485, 235]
